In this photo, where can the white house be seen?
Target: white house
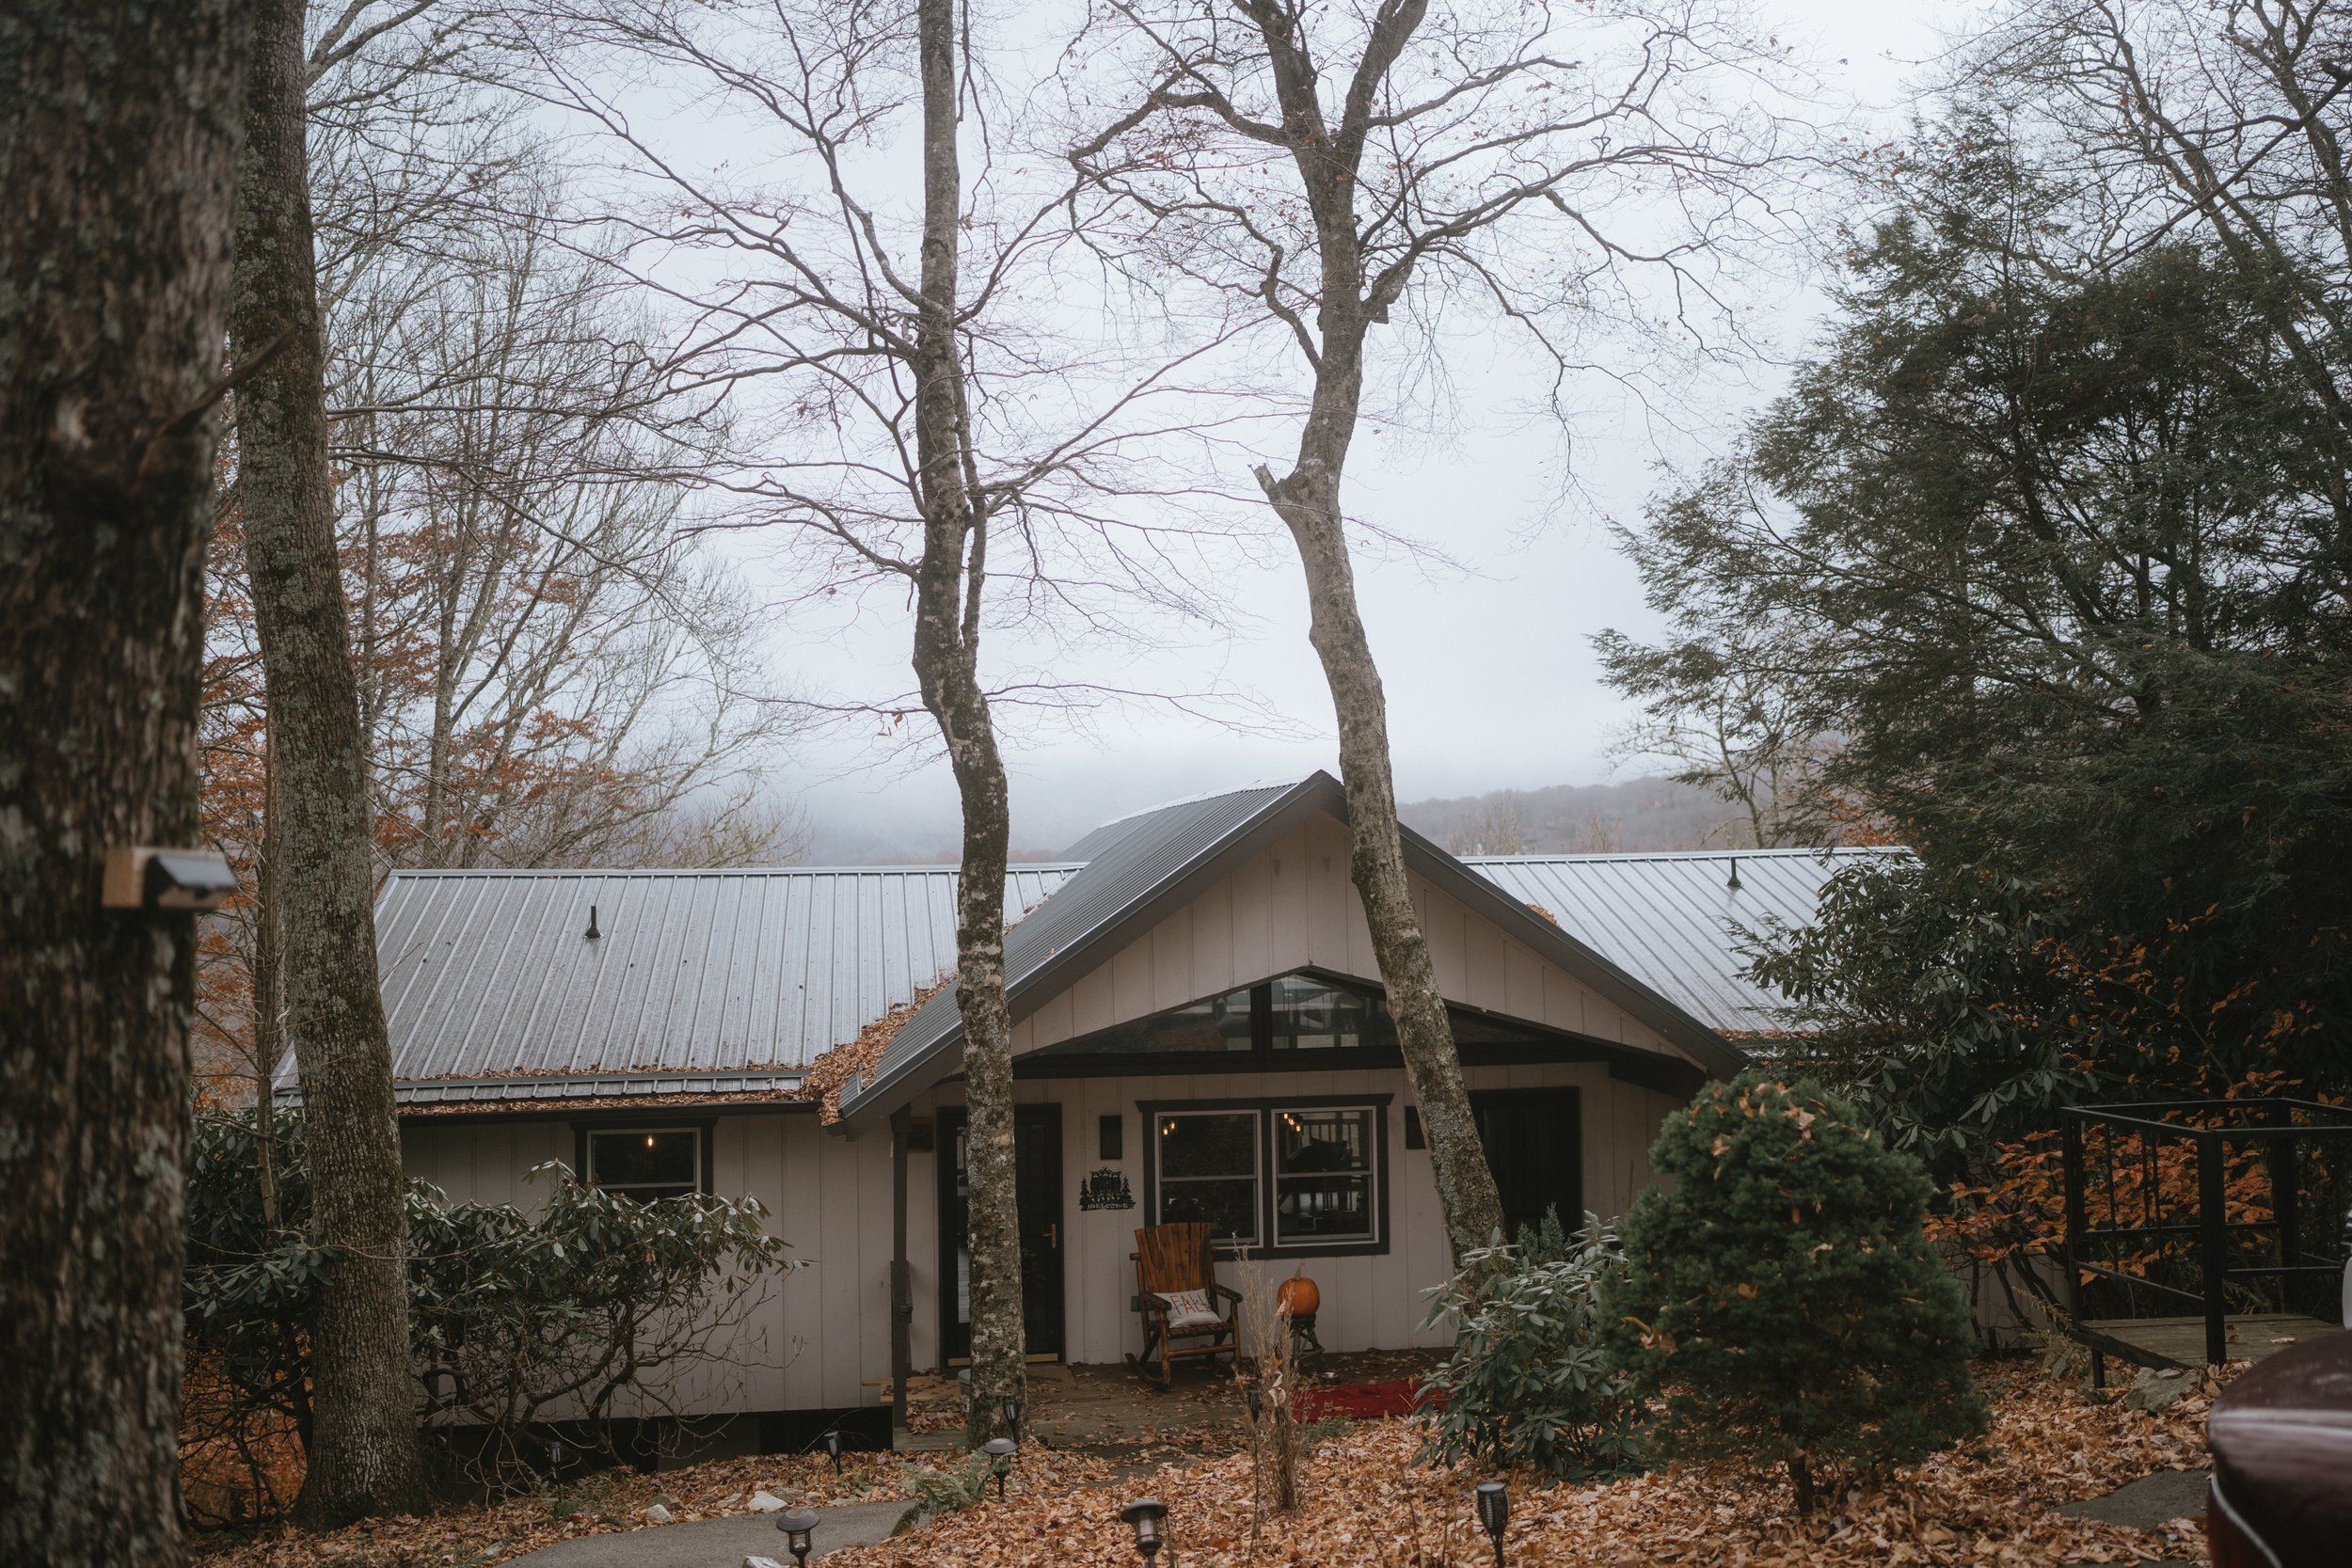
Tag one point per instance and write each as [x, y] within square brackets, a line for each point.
[1198, 1034]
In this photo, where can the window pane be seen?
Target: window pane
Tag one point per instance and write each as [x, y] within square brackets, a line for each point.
[1223, 1143]
[1230, 1206]
[645, 1159]
[1322, 1141]
[1220, 1024]
[1316, 1015]
[1322, 1208]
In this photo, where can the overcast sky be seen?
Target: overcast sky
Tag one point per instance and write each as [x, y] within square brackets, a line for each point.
[1490, 672]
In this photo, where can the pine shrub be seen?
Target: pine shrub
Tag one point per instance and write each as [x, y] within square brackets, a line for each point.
[1780, 1297]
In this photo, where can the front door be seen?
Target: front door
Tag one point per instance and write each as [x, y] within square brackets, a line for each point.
[1535, 1149]
[1037, 1194]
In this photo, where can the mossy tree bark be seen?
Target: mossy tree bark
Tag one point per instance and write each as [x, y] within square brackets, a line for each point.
[950, 580]
[118, 127]
[364, 1456]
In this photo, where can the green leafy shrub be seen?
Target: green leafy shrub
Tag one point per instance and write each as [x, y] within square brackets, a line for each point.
[938, 1492]
[1781, 1296]
[1530, 1382]
[518, 1321]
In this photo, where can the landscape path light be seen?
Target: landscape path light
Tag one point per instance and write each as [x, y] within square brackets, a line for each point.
[833, 1447]
[1494, 1512]
[1143, 1516]
[798, 1526]
[1013, 1417]
[1000, 1451]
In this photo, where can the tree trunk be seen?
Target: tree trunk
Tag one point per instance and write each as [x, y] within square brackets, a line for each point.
[270, 998]
[949, 585]
[364, 1453]
[1307, 502]
[118, 128]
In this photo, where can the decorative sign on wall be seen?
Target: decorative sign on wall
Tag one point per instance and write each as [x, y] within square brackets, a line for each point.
[1106, 1189]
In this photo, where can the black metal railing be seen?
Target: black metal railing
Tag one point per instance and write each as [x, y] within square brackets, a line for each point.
[2213, 1207]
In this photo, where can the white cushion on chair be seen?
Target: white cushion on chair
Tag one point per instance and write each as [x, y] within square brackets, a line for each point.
[1189, 1309]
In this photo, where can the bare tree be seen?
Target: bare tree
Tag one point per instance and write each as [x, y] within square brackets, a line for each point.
[364, 1456]
[2218, 123]
[1723, 706]
[912, 414]
[118, 131]
[1342, 166]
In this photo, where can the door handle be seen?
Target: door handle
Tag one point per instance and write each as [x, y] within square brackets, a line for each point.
[1052, 1235]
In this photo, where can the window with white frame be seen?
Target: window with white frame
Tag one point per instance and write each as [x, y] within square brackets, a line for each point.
[1266, 1173]
[647, 1163]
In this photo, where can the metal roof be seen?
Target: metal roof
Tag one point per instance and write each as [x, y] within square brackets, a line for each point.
[1139, 867]
[1674, 919]
[493, 990]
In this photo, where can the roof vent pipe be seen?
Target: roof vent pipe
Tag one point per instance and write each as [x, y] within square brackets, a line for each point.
[1732, 885]
[593, 933]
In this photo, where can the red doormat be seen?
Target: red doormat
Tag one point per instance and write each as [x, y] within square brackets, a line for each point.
[1361, 1402]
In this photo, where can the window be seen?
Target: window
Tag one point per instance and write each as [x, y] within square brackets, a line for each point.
[1322, 1177]
[647, 1163]
[1219, 1023]
[1208, 1168]
[1311, 1014]
[1283, 1176]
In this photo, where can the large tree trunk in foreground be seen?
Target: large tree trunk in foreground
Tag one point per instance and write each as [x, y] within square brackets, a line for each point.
[1307, 504]
[118, 131]
[364, 1456]
[947, 666]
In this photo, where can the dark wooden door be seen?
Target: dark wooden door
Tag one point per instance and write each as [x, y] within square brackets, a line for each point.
[1037, 1194]
[1536, 1147]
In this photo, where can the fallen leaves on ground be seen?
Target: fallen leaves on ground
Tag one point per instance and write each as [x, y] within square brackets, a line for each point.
[1365, 1504]
[598, 1504]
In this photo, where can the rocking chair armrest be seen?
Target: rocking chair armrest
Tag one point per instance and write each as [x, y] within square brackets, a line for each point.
[1147, 1300]
[1228, 1292]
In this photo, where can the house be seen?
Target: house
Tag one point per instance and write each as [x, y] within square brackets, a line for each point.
[1198, 1034]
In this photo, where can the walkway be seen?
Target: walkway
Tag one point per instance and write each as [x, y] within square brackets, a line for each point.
[718, 1542]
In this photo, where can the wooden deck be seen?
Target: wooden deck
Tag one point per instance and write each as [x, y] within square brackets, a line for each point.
[2181, 1341]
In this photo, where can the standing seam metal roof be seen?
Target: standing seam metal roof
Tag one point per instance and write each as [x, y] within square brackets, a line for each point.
[489, 976]
[1674, 919]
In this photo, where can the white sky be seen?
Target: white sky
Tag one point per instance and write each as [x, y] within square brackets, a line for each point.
[1490, 678]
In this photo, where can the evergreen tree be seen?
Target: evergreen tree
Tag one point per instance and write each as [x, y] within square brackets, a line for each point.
[1782, 1297]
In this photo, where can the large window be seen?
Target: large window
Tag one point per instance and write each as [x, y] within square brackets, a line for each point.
[1208, 1169]
[1277, 1175]
[647, 1163]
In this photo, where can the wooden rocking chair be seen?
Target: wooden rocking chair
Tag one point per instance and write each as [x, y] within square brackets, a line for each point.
[1177, 1292]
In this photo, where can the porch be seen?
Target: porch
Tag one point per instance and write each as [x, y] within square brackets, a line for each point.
[2235, 1209]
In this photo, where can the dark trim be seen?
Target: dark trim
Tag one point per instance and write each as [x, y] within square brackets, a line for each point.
[1648, 1069]
[621, 1121]
[1262, 1105]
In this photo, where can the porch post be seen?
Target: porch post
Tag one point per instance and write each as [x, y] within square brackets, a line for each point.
[2213, 1246]
[901, 1278]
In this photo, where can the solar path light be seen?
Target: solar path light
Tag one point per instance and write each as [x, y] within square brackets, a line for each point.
[1494, 1512]
[798, 1526]
[833, 1447]
[1143, 1516]
[1000, 1451]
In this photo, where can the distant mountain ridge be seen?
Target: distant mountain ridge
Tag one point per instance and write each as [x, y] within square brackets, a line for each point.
[1633, 815]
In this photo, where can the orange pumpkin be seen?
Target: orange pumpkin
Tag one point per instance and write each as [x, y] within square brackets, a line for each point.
[1299, 1296]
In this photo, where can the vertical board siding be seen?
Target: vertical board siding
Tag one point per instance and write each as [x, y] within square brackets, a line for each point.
[1292, 906]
